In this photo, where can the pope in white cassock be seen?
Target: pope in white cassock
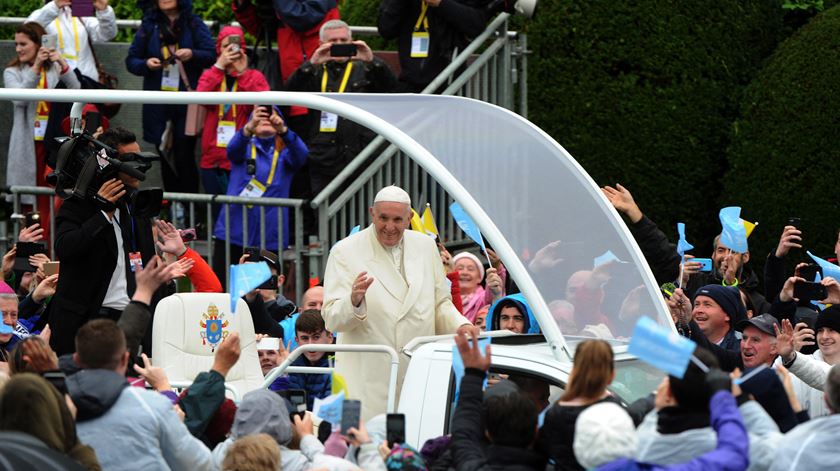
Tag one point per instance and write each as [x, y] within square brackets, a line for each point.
[385, 285]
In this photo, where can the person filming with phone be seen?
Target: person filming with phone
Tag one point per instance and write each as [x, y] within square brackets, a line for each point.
[338, 65]
[264, 156]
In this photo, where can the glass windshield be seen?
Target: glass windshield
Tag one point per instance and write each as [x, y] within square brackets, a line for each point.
[634, 380]
[552, 214]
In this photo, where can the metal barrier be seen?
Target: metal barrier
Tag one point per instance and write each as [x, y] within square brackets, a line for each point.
[190, 200]
[135, 24]
[286, 367]
[493, 77]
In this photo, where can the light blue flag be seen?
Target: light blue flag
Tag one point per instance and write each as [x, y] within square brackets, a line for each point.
[605, 258]
[734, 234]
[458, 364]
[661, 347]
[467, 225]
[5, 329]
[682, 245]
[244, 278]
[330, 409]
[828, 268]
[355, 229]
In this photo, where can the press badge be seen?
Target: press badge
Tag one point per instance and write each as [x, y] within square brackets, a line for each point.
[224, 133]
[170, 78]
[329, 121]
[420, 44]
[135, 261]
[254, 189]
[40, 127]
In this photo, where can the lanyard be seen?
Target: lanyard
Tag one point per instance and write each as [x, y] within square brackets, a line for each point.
[343, 80]
[166, 51]
[61, 38]
[273, 161]
[422, 19]
[222, 108]
[131, 244]
[42, 109]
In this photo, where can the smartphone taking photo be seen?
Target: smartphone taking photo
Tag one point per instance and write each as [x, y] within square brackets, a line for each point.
[343, 50]
[351, 413]
[395, 429]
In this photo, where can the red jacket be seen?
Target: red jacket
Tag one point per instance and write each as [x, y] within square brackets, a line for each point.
[201, 275]
[292, 44]
[211, 81]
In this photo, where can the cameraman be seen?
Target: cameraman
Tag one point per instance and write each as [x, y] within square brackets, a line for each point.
[100, 244]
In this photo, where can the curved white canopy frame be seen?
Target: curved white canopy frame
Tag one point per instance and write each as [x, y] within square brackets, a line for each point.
[520, 186]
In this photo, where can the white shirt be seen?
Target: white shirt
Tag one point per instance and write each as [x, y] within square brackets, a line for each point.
[100, 28]
[117, 295]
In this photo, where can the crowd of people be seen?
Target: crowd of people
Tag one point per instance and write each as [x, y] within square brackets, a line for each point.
[79, 390]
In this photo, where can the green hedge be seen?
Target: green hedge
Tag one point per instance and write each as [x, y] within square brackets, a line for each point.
[644, 93]
[785, 153]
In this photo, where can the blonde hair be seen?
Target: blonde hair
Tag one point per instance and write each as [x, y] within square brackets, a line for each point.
[257, 452]
[592, 371]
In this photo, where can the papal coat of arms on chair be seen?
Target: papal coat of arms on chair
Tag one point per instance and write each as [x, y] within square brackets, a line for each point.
[214, 324]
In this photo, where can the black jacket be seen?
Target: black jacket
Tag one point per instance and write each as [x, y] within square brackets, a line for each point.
[329, 152]
[558, 434]
[452, 25]
[749, 282]
[468, 433]
[661, 255]
[87, 248]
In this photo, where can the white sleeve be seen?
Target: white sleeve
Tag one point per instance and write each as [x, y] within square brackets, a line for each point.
[811, 371]
[44, 15]
[103, 27]
[180, 448]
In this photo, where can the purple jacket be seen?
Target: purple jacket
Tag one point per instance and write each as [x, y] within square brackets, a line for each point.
[731, 454]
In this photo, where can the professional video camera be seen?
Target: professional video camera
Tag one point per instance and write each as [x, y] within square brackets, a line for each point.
[83, 164]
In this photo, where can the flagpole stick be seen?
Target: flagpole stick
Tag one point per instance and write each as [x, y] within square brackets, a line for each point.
[682, 272]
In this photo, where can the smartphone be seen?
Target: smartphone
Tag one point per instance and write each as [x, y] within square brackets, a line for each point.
[351, 413]
[57, 379]
[809, 272]
[298, 399]
[32, 218]
[253, 254]
[92, 122]
[268, 343]
[794, 221]
[343, 50]
[82, 7]
[26, 250]
[234, 41]
[187, 235]
[705, 263]
[51, 268]
[395, 429]
[809, 291]
[49, 41]
[810, 321]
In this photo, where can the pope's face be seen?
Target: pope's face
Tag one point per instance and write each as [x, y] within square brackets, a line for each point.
[390, 220]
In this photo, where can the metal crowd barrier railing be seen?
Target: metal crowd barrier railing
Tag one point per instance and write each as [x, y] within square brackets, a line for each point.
[205, 205]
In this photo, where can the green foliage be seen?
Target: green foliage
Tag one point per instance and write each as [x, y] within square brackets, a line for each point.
[644, 93]
[784, 158]
[817, 5]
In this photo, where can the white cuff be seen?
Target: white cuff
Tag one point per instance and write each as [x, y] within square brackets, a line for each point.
[360, 311]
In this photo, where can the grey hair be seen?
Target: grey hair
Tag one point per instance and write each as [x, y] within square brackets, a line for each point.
[832, 388]
[333, 24]
[9, 297]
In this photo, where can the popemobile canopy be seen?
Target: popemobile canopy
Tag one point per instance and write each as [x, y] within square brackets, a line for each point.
[536, 206]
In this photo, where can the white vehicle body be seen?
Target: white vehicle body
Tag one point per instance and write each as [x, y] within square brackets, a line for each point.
[429, 388]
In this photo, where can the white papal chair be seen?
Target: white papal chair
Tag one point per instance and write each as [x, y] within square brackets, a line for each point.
[189, 327]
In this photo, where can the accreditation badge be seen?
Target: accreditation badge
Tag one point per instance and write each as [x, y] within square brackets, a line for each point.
[329, 121]
[170, 78]
[420, 44]
[224, 133]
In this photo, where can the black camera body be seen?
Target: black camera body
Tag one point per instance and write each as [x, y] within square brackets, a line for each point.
[83, 164]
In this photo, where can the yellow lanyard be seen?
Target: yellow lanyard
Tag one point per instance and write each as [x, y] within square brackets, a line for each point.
[273, 161]
[61, 38]
[165, 51]
[422, 19]
[42, 108]
[343, 80]
[223, 88]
